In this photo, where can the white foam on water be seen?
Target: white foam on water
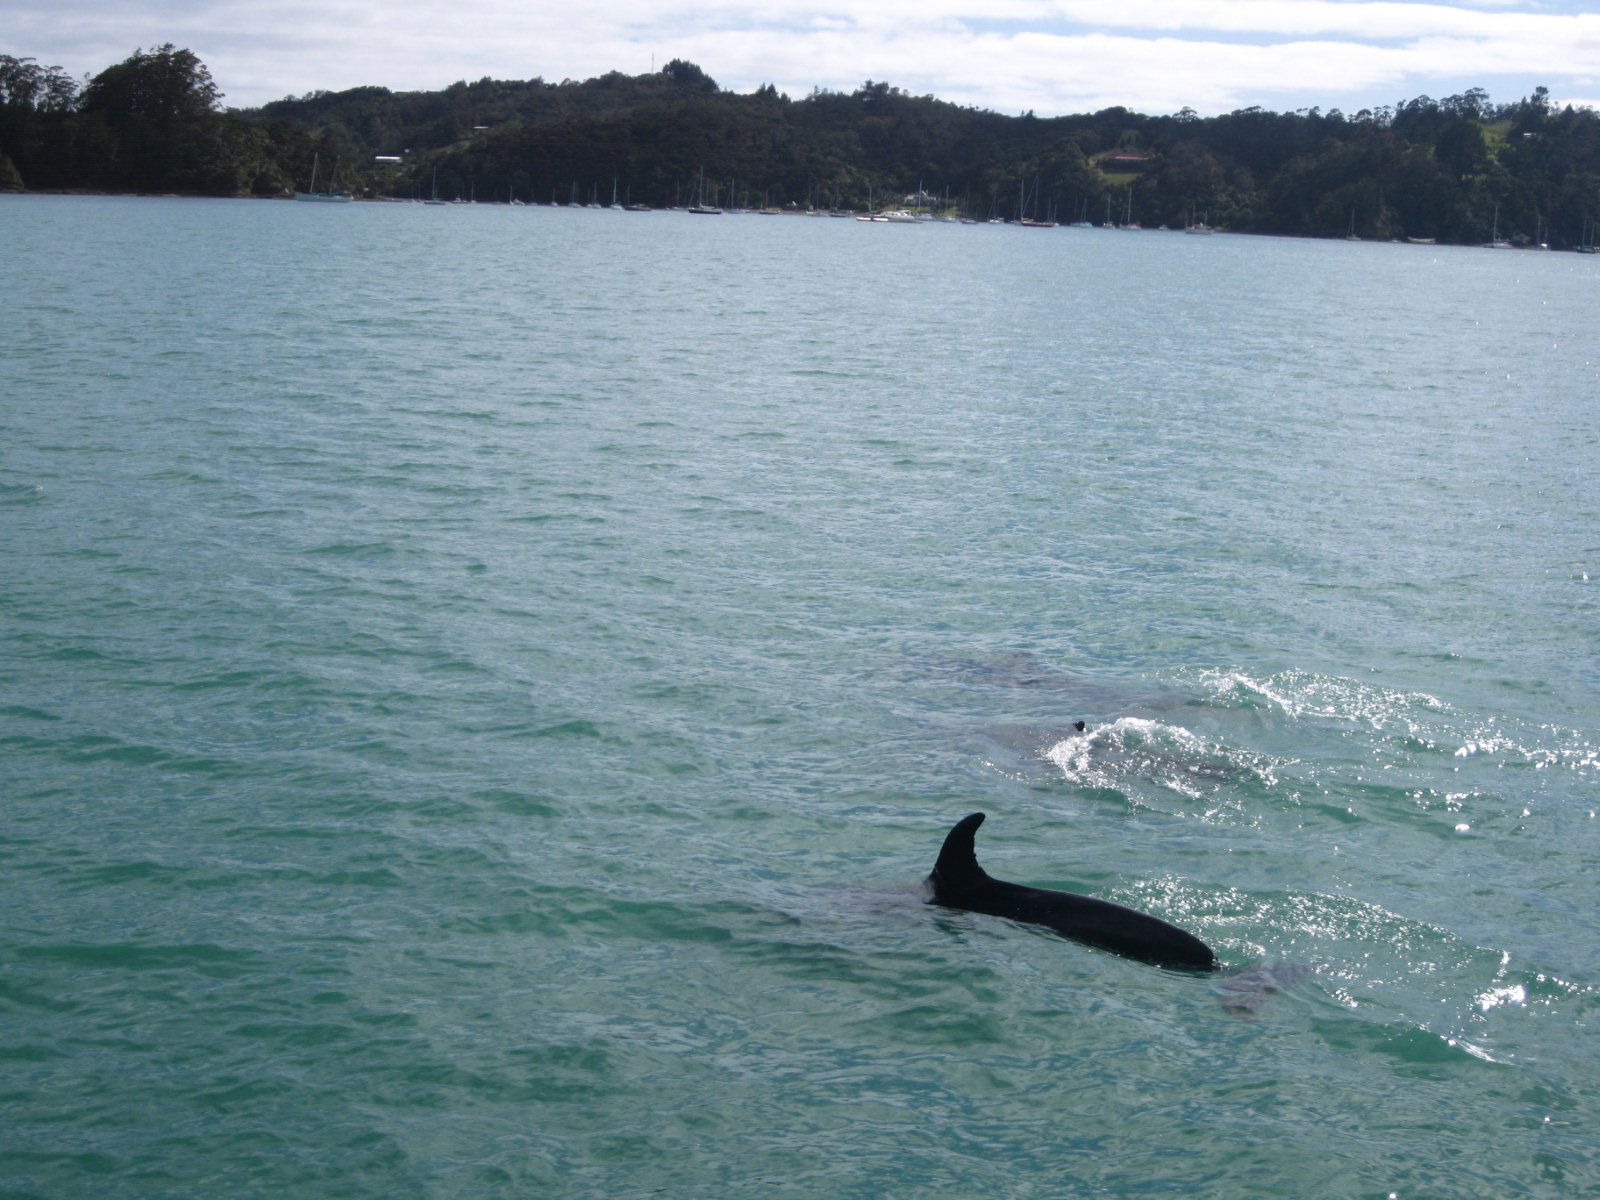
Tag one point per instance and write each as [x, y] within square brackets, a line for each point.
[1494, 998]
[1302, 694]
[1423, 720]
[1170, 757]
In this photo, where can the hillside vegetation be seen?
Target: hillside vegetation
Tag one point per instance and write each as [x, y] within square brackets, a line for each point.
[1425, 168]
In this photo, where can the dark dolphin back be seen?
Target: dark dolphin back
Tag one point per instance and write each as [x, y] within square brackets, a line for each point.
[957, 867]
[958, 881]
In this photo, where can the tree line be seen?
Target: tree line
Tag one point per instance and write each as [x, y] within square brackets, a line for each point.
[1450, 170]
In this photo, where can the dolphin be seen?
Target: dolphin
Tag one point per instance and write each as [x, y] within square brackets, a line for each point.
[1245, 992]
[958, 881]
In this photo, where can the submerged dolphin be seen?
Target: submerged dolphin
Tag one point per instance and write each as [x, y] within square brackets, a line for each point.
[959, 882]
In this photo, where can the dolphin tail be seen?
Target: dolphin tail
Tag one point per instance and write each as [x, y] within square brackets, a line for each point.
[957, 866]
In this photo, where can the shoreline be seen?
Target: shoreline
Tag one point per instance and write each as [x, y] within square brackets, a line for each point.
[397, 200]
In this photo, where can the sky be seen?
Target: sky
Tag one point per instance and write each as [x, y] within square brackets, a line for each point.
[1048, 56]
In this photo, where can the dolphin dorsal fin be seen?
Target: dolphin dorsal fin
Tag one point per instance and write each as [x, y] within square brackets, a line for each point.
[957, 866]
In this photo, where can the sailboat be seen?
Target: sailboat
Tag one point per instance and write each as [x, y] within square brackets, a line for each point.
[614, 206]
[1350, 234]
[1024, 219]
[1029, 205]
[434, 199]
[700, 206]
[1127, 213]
[1495, 242]
[322, 197]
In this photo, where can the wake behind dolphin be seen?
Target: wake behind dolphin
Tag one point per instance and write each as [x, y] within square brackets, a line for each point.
[958, 881]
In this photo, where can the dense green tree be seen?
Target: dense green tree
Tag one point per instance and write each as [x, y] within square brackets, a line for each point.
[35, 123]
[25, 85]
[686, 74]
[165, 85]
[160, 108]
[1190, 184]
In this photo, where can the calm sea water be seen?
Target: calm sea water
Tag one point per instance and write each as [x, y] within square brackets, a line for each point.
[480, 688]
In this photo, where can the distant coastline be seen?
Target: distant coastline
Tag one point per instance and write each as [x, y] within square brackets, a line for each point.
[398, 200]
[1461, 170]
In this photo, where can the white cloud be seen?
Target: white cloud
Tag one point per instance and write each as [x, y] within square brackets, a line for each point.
[1047, 55]
[1367, 21]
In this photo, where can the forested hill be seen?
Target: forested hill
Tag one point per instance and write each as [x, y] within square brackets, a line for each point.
[1446, 169]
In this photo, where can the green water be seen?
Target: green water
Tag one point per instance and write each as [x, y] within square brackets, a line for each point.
[480, 689]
